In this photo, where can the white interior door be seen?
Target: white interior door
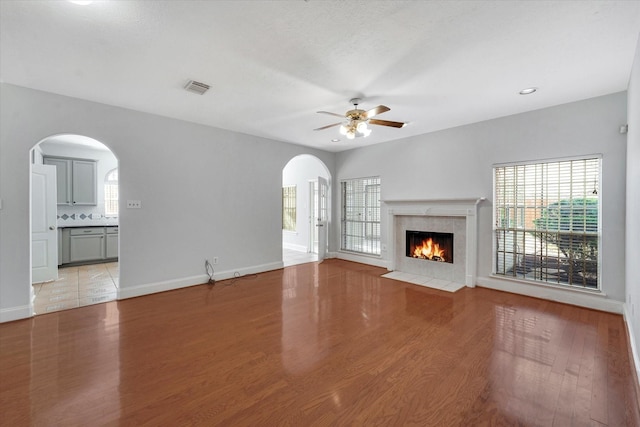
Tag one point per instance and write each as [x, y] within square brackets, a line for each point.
[44, 237]
[313, 216]
[323, 217]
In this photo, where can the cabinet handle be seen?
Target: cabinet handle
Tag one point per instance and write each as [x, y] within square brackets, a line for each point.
[86, 231]
[51, 227]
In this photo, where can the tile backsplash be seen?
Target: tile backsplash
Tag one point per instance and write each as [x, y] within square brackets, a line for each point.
[69, 214]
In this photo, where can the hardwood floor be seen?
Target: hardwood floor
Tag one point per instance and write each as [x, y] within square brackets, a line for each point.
[314, 345]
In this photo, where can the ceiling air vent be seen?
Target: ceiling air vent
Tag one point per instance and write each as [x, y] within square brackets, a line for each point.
[197, 87]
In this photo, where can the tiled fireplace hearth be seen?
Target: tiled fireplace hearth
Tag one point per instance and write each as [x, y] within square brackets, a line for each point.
[434, 217]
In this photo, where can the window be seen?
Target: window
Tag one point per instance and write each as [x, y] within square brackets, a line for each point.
[360, 230]
[546, 222]
[289, 208]
[111, 193]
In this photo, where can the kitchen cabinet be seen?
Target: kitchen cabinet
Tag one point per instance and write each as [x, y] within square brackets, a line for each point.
[63, 178]
[60, 246]
[76, 180]
[111, 242]
[86, 244]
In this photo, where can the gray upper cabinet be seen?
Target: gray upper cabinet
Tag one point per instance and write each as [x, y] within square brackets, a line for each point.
[63, 178]
[76, 181]
[84, 181]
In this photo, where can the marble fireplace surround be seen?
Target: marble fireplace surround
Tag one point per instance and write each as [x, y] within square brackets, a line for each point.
[445, 215]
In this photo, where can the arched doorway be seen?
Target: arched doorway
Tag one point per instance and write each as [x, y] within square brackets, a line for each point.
[305, 209]
[74, 223]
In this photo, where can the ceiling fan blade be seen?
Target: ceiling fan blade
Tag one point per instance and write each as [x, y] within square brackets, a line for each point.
[386, 123]
[329, 126]
[331, 114]
[377, 110]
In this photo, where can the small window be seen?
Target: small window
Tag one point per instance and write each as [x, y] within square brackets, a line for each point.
[111, 193]
[289, 208]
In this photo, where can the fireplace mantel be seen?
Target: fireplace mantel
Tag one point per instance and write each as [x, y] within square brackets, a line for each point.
[461, 207]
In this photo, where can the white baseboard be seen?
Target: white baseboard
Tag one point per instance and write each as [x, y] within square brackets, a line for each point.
[628, 320]
[582, 299]
[15, 313]
[169, 285]
[294, 247]
[362, 259]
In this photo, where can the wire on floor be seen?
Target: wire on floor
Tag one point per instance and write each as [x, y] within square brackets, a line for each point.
[237, 276]
[209, 268]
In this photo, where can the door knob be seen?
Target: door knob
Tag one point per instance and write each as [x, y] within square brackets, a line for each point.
[51, 227]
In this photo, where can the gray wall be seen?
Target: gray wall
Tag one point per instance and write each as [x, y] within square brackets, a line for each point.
[633, 207]
[457, 163]
[202, 190]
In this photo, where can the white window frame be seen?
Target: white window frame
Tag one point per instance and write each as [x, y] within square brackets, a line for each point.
[286, 207]
[521, 233]
[370, 236]
[107, 191]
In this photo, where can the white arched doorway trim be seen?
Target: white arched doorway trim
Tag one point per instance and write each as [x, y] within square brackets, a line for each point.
[72, 148]
[309, 179]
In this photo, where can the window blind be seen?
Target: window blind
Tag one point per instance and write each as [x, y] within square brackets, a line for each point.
[360, 231]
[546, 221]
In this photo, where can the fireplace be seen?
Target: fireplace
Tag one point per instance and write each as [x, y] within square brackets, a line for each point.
[429, 245]
[455, 217]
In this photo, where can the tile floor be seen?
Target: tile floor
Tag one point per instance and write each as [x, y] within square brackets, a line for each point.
[429, 282]
[291, 257]
[77, 287]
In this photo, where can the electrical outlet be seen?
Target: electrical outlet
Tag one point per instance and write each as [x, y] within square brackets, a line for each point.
[134, 204]
[215, 260]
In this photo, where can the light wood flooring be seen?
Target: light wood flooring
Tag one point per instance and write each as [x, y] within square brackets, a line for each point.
[77, 287]
[319, 344]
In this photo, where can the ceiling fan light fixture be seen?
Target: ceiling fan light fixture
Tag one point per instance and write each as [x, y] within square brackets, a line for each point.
[355, 122]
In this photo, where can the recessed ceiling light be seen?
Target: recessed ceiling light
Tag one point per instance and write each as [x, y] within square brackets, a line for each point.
[528, 90]
[81, 2]
[335, 140]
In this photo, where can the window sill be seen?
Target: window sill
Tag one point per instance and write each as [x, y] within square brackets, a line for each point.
[546, 285]
[343, 251]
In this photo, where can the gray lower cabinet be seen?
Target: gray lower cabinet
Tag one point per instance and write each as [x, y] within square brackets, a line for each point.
[60, 247]
[87, 244]
[112, 242]
[84, 244]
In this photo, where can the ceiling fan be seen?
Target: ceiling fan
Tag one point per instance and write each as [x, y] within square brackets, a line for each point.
[356, 121]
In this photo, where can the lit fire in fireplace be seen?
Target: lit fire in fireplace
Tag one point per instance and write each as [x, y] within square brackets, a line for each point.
[429, 250]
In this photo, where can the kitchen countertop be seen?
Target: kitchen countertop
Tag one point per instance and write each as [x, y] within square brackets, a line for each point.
[88, 223]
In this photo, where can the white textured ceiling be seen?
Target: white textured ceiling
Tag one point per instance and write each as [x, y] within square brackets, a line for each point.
[273, 64]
